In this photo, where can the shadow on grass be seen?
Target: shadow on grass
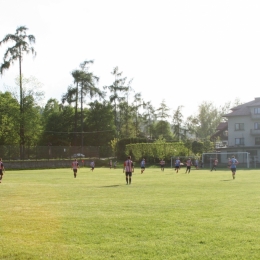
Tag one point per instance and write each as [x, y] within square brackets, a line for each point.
[110, 186]
[227, 180]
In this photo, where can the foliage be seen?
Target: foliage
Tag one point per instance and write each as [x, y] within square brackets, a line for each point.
[163, 128]
[157, 150]
[122, 153]
[57, 129]
[22, 44]
[203, 124]
[98, 124]
[9, 119]
[197, 147]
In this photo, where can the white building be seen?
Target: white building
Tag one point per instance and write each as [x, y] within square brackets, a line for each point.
[242, 131]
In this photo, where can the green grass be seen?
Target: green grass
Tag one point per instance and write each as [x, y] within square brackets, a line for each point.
[48, 214]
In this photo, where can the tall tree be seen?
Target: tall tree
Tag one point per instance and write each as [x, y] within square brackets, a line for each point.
[138, 102]
[117, 87]
[204, 124]
[99, 124]
[177, 122]
[22, 44]
[9, 119]
[163, 114]
[85, 84]
[88, 87]
[149, 118]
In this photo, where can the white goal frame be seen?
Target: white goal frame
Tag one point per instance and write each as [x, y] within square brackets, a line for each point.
[242, 157]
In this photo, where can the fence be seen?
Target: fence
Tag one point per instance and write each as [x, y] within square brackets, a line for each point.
[15, 152]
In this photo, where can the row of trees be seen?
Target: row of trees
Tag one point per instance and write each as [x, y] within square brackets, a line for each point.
[87, 115]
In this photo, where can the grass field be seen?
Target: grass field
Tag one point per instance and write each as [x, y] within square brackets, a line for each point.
[48, 214]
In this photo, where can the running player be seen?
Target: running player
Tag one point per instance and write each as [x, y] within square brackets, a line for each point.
[177, 164]
[233, 166]
[188, 165]
[142, 166]
[75, 166]
[162, 163]
[92, 165]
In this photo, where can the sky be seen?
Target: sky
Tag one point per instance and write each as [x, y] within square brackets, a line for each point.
[183, 52]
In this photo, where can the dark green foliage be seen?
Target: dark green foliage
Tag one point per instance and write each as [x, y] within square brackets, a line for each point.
[122, 145]
[197, 147]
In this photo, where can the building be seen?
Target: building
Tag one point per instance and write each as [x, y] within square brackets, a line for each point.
[241, 132]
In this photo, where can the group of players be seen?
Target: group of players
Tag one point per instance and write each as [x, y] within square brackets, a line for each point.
[129, 167]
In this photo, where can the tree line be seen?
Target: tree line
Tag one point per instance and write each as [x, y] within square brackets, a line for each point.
[87, 115]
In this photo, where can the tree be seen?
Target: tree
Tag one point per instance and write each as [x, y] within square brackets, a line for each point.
[163, 125]
[58, 124]
[22, 44]
[99, 124]
[85, 84]
[204, 124]
[162, 111]
[177, 122]
[9, 119]
[149, 119]
[87, 87]
[163, 128]
[117, 86]
[138, 102]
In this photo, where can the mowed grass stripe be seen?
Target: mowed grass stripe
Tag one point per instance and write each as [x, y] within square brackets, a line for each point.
[48, 214]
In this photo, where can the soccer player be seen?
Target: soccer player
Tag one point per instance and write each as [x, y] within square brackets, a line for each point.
[188, 165]
[177, 165]
[92, 165]
[162, 163]
[75, 166]
[233, 166]
[142, 166]
[128, 169]
[110, 164]
[2, 169]
[214, 166]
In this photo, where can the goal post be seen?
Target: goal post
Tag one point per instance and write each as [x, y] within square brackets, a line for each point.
[208, 158]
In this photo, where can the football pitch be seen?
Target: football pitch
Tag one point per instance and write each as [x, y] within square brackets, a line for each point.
[49, 214]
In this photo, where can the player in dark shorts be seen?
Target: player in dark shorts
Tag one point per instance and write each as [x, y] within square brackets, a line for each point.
[75, 166]
[128, 169]
[162, 163]
[142, 165]
[177, 164]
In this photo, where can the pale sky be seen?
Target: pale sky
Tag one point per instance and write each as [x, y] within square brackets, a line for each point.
[184, 52]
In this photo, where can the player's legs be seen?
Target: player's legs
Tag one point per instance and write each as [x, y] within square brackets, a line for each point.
[233, 172]
[75, 173]
[126, 177]
[130, 178]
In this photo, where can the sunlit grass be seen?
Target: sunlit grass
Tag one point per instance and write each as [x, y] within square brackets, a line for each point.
[48, 214]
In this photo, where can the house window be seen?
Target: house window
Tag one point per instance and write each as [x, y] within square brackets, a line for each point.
[239, 141]
[257, 126]
[239, 126]
[257, 141]
[257, 110]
